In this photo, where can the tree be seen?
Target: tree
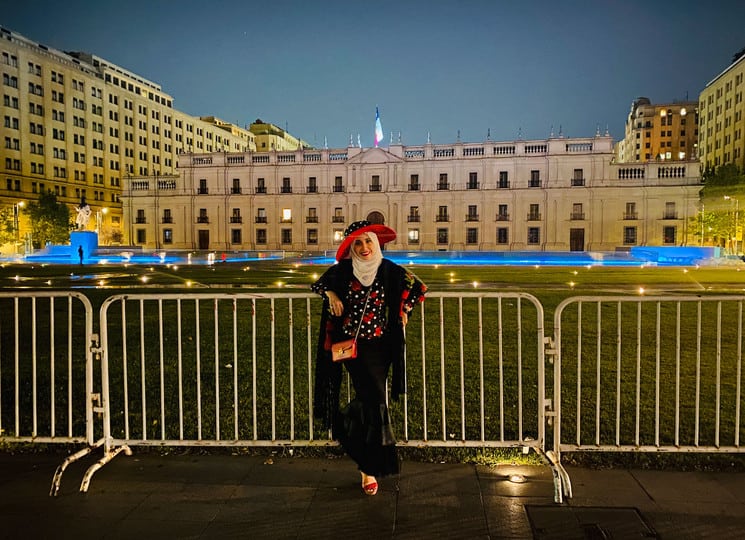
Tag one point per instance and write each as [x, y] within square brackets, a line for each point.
[50, 220]
[7, 225]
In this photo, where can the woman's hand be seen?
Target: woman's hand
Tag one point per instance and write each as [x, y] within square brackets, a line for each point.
[404, 318]
[335, 305]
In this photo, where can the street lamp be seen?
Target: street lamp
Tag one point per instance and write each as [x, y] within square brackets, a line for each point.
[737, 220]
[17, 207]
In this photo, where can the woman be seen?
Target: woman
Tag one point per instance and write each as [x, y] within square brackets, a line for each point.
[370, 297]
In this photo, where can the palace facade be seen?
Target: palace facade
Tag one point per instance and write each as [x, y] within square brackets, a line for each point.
[553, 194]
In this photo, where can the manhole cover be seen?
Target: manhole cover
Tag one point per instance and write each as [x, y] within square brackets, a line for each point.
[587, 522]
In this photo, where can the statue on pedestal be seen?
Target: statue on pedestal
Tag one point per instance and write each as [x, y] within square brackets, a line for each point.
[84, 215]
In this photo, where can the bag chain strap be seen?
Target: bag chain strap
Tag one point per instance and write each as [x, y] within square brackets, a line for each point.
[364, 309]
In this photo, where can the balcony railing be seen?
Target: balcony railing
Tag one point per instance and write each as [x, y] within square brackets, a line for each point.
[670, 215]
[413, 218]
[472, 185]
[311, 219]
[472, 217]
[311, 189]
[203, 219]
[630, 215]
[236, 219]
[286, 189]
[235, 190]
[578, 181]
[167, 219]
[260, 219]
[534, 216]
[338, 189]
[140, 219]
[442, 218]
[577, 216]
[534, 183]
[260, 189]
[203, 191]
[337, 219]
[375, 187]
[443, 186]
[504, 184]
[503, 217]
[413, 187]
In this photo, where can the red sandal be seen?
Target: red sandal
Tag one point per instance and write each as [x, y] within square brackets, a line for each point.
[371, 488]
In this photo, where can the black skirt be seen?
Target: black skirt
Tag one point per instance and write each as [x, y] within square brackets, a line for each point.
[363, 426]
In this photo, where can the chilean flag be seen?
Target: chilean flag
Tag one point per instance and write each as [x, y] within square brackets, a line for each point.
[378, 129]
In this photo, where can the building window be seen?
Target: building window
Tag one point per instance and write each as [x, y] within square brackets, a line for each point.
[473, 213]
[502, 235]
[443, 182]
[338, 216]
[140, 217]
[534, 213]
[260, 185]
[578, 177]
[312, 236]
[261, 215]
[261, 236]
[414, 216]
[442, 236]
[502, 213]
[286, 215]
[534, 235]
[168, 236]
[577, 212]
[236, 190]
[413, 236]
[504, 181]
[414, 182]
[472, 235]
[202, 190]
[141, 236]
[473, 180]
[286, 235]
[167, 216]
[630, 212]
[312, 216]
[670, 212]
[668, 235]
[375, 183]
[236, 217]
[235, 236]
[202, 217]
[312, 185]
[442, 214]
[338, 185]
[535, 179]
[629, 236]
[286, 186]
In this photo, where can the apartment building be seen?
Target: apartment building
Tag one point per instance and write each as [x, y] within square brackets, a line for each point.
[554, 194]
[78, 125]
[659, 132]
[722, 122]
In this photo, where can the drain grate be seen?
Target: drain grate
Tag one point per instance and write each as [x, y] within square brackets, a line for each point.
[587, 522]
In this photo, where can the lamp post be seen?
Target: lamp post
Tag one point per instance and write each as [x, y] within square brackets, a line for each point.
[17, 223]
[737, 224]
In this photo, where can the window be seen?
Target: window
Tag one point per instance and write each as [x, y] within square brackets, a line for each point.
[413, 214]
[629, 235]
[535, 179]
[202, 190]
[286, 235]
[375, 183]
[261, 236]
[312, 236]
[203, 217]
[502, 235]
[472, 235]
[534, 235]
[168, 236]
[442, 236]
[473, 180]
[534, 213]
[141, 236]
[261, 215]
[502, 213]
[312, 185]
[504, 181]
[312, 216]
[670, 212]
[578, 177]
[442, 214]
[668, 235]
[286, 185]
[286, 215]
[236, 217]
[577, 212]
[443, 183]
[236, 189]
[167, 217]
[630, 211]
[260, 185]
[473, 213]
[338, 216]
[338, 185]
[414, 182]
[140, 217]
[413, 236]
[235, 236]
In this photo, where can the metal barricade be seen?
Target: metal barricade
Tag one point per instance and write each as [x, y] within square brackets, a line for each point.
[236, 370]
[647, 374]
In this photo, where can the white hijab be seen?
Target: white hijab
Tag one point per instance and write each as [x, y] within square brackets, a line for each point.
[363, 270]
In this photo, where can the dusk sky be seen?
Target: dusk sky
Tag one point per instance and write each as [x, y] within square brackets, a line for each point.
[319, 68]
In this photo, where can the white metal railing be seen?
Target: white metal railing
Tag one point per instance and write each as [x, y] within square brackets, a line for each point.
[236, 370]
[648, 374]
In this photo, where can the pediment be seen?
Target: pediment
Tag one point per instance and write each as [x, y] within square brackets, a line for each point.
[374, 155]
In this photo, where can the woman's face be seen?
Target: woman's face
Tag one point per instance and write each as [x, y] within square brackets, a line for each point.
[363, 247]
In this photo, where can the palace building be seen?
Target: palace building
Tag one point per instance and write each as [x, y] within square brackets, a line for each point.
[554, 194]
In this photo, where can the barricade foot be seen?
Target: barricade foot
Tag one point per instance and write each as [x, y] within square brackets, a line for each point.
[562, 483]
[108, 456]
[57, 478]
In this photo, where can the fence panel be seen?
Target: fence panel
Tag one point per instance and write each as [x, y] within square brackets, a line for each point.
[46, 368]
[236, 369]
[649, 374]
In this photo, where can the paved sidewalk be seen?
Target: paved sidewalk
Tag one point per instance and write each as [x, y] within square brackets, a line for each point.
[221, 496]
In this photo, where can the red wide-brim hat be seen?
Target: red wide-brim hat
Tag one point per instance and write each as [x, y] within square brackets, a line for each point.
[384, 234]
